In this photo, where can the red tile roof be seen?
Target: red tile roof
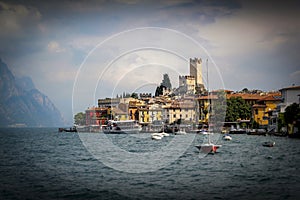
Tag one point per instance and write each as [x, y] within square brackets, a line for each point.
[244, 96]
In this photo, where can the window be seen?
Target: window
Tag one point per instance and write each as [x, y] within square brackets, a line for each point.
[256, 111]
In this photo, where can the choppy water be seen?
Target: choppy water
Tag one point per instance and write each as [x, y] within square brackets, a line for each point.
[44, 164]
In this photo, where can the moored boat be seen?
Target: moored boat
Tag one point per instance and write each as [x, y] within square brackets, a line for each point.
[227, 137]
[72, 129]
[121, 127]
[237, 131]
[157, 136]
[257, 132]
[208, 148]
[203, 132]
[269, 144]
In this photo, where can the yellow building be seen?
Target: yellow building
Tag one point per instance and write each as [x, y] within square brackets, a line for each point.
[263, 106]
[204, 103]
[259, 115]
[155, 113]
[119, 115]
[133, 108]
[183, 110]
[144, 115]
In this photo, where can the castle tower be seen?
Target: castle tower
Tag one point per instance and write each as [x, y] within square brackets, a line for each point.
[196, 71]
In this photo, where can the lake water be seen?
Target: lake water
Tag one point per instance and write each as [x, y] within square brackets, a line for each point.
[40, 163]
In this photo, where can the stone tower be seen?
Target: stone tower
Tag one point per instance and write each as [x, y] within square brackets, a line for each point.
[196, 70]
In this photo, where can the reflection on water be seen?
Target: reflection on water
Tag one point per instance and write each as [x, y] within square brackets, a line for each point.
[45, 164]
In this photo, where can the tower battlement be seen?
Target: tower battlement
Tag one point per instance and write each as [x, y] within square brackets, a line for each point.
[196, 70]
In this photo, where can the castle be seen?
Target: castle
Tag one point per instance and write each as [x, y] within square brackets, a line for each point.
[193, 83]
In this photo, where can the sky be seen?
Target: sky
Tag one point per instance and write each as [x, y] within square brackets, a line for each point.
[79, 51]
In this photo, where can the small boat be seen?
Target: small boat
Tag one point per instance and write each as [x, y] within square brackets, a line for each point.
[257, 132]
[121, 127]
[203, 132]
[164, 134]
[237, 131]
[72, 129]
[227, 137]
[269, 144]
[208, 148]
[157, 136]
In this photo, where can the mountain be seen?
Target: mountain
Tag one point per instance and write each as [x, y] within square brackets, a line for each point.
[25, 83]
[21, 103]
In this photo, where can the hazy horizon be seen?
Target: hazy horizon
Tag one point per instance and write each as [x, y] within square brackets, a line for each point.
[73, 49]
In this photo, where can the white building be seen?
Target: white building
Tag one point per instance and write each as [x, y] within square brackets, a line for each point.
[289, 95]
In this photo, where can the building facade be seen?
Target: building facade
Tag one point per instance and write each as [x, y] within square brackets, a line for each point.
[289, 95]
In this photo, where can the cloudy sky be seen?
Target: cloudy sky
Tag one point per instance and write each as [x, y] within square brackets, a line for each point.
[78, 51]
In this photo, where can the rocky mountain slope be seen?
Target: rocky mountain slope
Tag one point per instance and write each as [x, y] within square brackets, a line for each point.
[22, 104]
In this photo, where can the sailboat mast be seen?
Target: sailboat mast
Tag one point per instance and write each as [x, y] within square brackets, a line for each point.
[209, 101]
[207, 76]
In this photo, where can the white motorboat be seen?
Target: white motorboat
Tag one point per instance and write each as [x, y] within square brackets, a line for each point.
[121, 127]
[164, 134]
[157, 136]
[203, 132]
[227, 137]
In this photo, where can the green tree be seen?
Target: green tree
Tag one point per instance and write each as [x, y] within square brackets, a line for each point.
[159, 90]
[292, 118]
[245, 90]
[219, 111]
[237, 108]
[166, 82]
[79, 118]
[135, 95]
[292, 113]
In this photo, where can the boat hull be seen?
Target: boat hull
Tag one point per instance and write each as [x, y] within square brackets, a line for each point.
[121, 127]
[237, 132]
[268, 144]
[208, 148]
[159, 136]
[227, 137]
[108, 131]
